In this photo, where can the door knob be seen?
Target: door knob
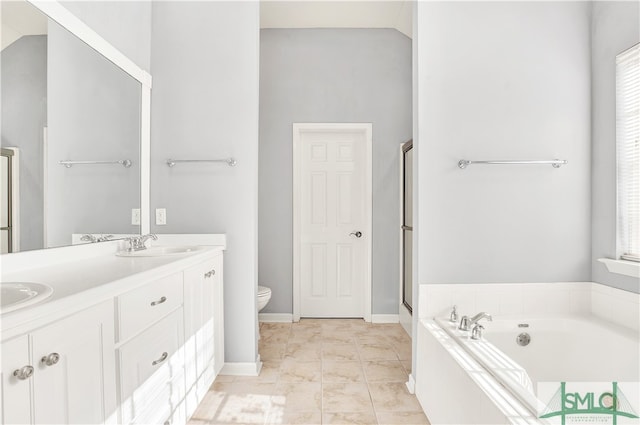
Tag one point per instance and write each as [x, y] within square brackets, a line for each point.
[357, 234]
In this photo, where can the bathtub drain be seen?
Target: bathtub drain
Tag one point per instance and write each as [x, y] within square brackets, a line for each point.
[523, 339]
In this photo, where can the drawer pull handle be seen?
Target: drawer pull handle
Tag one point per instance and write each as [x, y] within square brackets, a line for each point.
[23, 373]
[162, 358]
[160, 301]
[51, 359]
[209, 273]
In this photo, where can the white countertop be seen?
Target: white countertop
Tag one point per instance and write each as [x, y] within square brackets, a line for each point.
[81, 283]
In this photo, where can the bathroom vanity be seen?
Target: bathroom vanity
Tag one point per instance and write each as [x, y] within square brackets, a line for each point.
[121, 339]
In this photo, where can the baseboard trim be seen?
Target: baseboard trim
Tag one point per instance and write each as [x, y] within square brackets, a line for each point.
[275, 317]
[385, 318]
[411, 385]
[242, 369]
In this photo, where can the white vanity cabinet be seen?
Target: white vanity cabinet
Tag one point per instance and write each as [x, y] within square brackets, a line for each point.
[204, 327]
[63, 372]
[144, 350]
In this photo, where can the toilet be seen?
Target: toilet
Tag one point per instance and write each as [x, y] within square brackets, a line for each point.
[264, 295]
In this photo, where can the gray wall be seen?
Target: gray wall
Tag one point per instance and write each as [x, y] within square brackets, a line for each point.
[124, 24]
[615, 28]
[205, 105]
[331, 75]
[93, 114]
[24, 115]
[503, 80]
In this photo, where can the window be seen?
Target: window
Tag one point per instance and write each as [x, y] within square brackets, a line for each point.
[628, 152]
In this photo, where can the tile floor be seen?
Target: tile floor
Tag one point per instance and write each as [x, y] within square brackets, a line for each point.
[320, 371]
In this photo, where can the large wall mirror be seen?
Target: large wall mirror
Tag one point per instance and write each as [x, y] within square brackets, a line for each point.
[71, 137]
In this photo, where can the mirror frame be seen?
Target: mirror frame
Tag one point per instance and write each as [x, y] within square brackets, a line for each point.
[75, 26]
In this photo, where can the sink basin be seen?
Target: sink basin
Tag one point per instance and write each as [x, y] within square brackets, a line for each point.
[161, 251]
[16, 295]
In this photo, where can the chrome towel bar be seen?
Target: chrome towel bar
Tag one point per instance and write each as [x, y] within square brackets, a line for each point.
[555, 163]
[230, 161]
[68, 163]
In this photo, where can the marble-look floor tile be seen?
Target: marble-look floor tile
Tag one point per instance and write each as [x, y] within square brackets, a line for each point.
[292, 370]
[334, 337]
[355, 418]
[393, 397]
[402, 418]
[236, 403]
[299, 396]
[342, 371]
[337, 351]
[276, 337]
[407, 365]
[272, 352]
[377, 352]
[403, 350]
[279, 416]
[385, 371]
[304, 351]
[346, 398]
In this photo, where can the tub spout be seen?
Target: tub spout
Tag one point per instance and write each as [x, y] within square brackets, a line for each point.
[479, 317]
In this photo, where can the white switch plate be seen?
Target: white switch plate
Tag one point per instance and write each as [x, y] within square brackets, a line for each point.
[135, 216]
[161, 216]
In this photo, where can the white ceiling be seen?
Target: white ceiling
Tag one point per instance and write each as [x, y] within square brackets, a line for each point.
[337, 14]
[20, 18]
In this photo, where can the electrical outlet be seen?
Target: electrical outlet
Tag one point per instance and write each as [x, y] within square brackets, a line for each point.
[161, 216]
[135, 216]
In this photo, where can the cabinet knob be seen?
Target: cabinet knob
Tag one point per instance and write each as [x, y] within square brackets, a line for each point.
[209, 273]
[23, 373]
[51, 359]
[160, 301]
[162, 358]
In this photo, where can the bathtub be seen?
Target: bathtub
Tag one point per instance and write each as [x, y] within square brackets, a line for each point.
[561, 348]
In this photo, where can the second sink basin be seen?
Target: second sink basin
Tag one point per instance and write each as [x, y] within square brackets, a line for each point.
[159, 251]
[16, 295]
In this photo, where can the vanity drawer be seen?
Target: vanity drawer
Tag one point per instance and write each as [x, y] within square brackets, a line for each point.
[145, 305]
[152, 369]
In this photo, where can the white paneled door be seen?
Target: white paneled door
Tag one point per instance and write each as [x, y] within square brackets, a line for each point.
[332, 220]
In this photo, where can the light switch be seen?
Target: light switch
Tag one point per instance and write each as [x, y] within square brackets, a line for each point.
[135, 216]
[161, 216]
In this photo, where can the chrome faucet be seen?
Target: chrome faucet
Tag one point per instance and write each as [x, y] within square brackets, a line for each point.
[482, 315]
[467, 322]
[137, 243]
[93, 239]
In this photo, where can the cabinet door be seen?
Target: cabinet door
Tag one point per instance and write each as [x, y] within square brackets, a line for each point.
[218, 314]
[74, 361]
[15, 391]
[202, 300]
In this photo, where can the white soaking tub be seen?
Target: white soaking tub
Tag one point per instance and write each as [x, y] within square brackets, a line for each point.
[561, 349]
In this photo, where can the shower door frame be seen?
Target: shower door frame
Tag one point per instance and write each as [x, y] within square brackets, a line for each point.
[405, 311]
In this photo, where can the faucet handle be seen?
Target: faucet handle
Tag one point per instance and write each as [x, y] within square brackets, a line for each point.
[476, 332]
[464, 323]
[453, 318]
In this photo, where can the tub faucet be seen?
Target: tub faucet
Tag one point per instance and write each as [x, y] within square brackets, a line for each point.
[466, 323]
[482, 315]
